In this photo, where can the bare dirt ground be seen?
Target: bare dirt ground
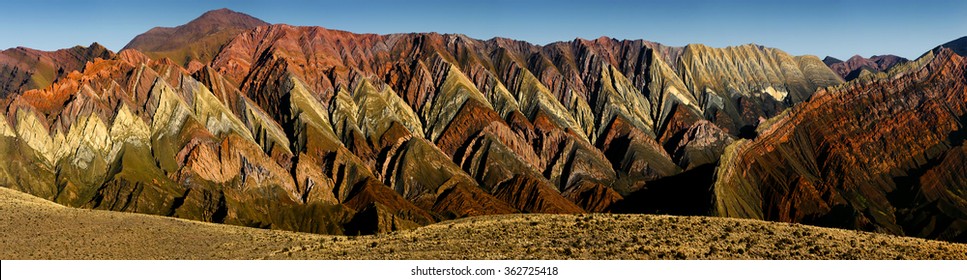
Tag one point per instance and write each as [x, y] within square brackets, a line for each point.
[33, 228]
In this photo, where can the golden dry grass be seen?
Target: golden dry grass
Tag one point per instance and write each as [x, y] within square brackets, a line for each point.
[33, 228]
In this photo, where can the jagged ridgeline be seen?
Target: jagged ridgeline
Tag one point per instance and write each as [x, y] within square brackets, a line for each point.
[883, 153]
[24, 68]
[317, 130]
[309, 129]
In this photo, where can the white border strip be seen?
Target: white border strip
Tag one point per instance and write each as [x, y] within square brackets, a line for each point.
[585, 270]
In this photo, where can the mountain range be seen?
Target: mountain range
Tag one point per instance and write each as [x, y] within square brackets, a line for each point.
[858, 66]
[229, 119]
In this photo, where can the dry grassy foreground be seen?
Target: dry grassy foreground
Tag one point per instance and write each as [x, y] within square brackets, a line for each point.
[33, 228]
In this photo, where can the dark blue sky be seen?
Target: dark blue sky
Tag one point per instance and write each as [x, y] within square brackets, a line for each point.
[830, 27]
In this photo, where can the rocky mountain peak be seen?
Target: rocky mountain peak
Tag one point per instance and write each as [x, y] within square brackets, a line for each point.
[227, 17]
[829, 60]
[197, 40]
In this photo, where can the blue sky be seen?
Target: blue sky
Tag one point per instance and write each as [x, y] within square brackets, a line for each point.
[829, 27]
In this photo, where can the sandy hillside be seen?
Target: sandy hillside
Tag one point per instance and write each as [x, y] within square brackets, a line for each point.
[33, 228]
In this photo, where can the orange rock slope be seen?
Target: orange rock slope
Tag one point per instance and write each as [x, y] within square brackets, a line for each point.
[24, 68]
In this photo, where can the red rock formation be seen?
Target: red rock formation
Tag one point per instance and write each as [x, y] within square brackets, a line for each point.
[531, 195]
[854, 67]
[877, 155]
[593, 197]
[23, 69]
[391, 212]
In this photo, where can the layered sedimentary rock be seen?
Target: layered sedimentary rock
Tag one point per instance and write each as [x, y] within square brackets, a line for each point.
[858, 66]
[195, 43]
[318, 130]
[23, 68]
[882, 154]
[738, 86]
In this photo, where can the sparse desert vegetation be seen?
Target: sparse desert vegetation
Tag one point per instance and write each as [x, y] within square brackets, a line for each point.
[33, 228]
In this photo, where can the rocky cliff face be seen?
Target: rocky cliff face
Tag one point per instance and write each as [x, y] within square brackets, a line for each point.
[23, 69]
[317, 130]
[883, 154]
[858, 66]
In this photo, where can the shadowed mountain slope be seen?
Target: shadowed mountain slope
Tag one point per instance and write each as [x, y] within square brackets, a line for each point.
[958, 46]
